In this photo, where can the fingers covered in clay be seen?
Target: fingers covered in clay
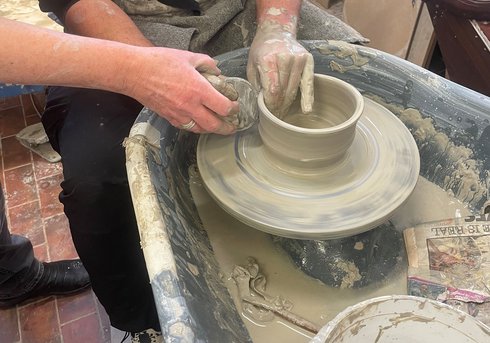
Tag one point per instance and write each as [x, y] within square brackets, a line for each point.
[220, 84]
[214, 122]
[279, 66]
[205, 64]
[169, 82]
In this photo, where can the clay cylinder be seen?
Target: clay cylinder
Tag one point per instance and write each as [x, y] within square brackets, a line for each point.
[316, 139]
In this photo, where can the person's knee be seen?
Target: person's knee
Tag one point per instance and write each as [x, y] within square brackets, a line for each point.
[87, 127]
[97, 206]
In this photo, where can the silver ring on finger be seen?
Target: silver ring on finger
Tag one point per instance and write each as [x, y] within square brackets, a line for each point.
[189, 125]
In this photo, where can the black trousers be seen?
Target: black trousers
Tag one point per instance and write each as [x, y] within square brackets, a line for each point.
[19, 270]
[87, 128]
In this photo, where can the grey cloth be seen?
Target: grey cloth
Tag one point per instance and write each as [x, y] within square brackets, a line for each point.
[229, 25]
[166, 35]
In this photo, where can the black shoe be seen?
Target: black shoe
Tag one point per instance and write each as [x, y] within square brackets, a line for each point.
[58, 278]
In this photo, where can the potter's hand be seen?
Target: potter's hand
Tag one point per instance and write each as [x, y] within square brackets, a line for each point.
[278, 64]
[169, 82]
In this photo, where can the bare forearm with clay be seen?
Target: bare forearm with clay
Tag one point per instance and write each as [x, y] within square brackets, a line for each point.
[277, 63]
[155, 77]
[48, 57]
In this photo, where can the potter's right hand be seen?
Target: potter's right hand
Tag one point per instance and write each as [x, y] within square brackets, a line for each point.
[170, 83]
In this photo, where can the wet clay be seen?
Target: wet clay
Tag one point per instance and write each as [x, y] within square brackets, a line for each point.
[456, 168]
[261, 184]
[233, 242]
[347, 52]
[316, 143]
[403, 319]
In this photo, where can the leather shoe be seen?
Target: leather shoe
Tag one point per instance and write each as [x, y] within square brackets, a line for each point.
[58, 278]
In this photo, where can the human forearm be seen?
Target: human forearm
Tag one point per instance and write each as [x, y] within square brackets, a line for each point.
[282, 12]
[105, 20]
[32, 55]
[167, 81]
[277, 62]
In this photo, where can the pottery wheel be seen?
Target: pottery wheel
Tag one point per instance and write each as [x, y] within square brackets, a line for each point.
[377, 174]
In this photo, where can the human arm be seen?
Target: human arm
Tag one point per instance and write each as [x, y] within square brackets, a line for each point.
[170, 84]
[277, 62]
[153, 76]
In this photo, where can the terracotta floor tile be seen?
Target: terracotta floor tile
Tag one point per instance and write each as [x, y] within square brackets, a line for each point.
[60, 243]
[105, 327]
[86, 329]
[76, 306]
[41, 252]
[28, 106]
[9, 102]
[32, 119]
[35, 212]
[49, 190]
[11, 121]
[14, 153]
[39, 322]
[43, 168]
[104, 320]
[2, 181]
[9, 326]
[20, 185]
[26, 220]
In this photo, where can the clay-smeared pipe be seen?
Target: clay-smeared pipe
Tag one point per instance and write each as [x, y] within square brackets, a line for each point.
[317, 139]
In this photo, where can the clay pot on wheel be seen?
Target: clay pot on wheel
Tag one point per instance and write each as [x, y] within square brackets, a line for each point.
[312, 143]
[318, 139]
[338, 171]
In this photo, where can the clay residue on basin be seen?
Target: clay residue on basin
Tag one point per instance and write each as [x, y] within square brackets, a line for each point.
[233, 242]
[347, 52]
[451, 166]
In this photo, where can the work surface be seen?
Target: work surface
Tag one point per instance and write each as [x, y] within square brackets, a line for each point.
[449, 123]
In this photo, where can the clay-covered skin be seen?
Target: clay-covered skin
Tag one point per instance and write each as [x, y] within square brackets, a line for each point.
[240, 90]
[247, 98]
[278, 64]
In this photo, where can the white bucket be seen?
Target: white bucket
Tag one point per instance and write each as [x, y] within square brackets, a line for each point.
[402, 318]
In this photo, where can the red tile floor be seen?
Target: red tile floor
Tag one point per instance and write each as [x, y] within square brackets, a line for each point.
[31, 187]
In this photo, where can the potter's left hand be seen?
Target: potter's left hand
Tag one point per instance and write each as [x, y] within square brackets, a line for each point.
[278, 64]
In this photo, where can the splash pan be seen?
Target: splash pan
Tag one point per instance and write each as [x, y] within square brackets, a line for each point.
[402, 318]
[376, 175]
